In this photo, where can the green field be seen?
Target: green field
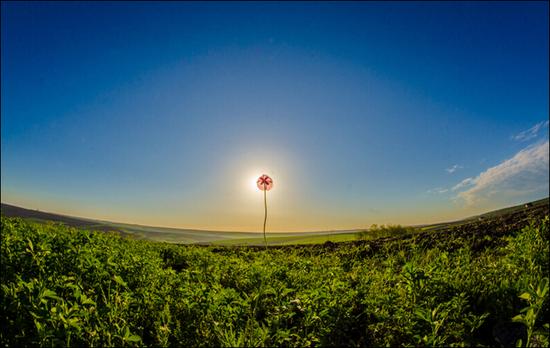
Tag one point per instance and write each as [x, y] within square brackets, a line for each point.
[290, 239]
[164, 234]
[478, 283]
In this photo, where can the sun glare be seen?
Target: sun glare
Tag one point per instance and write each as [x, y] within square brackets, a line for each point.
[252, 181]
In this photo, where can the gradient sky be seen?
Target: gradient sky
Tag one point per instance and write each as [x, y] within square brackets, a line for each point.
[164, 113]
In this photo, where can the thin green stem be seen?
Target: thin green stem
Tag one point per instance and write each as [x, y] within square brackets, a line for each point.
[265, 215]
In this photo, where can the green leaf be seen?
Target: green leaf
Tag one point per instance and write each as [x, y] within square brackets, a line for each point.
[518, 318]
[133, 338]
[120, 281]
[111, 263]
[73, 322]
[423, 314]
[86, 300]
[51, 294]
[30, 244]
[525, 296]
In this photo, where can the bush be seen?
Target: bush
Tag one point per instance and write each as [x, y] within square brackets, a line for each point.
[384, 231]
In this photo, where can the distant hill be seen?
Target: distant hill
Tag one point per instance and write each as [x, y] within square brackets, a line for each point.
[159, 234]
[13, 211]
[534, 206]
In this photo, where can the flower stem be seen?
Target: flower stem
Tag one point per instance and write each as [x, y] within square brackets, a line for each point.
[265, 215]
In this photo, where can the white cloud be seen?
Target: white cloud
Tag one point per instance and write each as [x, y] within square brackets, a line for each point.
[453, 168]
[463, 183]
[525, 173]
[530, 133]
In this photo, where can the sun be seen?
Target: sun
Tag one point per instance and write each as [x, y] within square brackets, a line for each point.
[253, 180]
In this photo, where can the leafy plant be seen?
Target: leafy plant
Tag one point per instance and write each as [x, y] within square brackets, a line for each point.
[535, 298]
[64, 286]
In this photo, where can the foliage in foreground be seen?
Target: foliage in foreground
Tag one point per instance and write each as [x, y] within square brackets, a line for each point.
[62, 286]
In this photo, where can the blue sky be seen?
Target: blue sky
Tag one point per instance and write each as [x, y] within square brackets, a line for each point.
[163, 113]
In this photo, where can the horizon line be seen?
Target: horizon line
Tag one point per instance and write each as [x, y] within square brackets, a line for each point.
[278, 232]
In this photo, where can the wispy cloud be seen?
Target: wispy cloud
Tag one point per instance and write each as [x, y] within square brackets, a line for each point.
[463, 183]
[453, 168]
[438, 190]
[526, 172]
[531, 132]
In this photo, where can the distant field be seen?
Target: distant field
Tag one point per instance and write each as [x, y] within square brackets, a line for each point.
[189, 236]
[174, 235]
[290, 239]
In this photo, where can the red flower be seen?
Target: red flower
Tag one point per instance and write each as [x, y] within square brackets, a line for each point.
[265, 183]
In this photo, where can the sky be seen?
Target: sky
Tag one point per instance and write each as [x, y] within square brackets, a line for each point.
[165, 113]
